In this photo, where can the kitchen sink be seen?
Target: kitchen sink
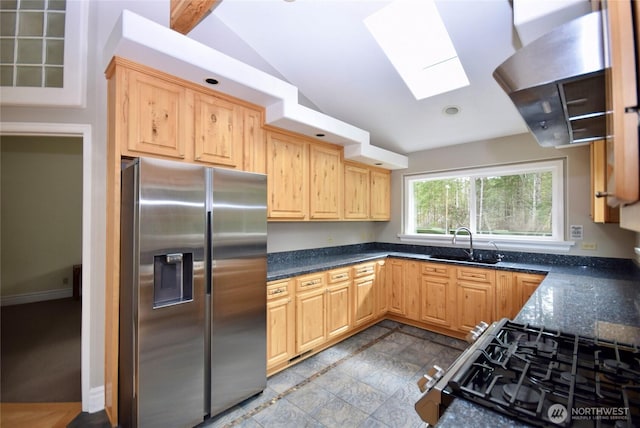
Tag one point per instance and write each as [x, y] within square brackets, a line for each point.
[464, 259]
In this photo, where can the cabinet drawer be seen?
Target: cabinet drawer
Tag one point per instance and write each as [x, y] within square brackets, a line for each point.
[277, 289]
[435, 269]
[476, 274]
[364, 269]
[339, 275]
[310, 282]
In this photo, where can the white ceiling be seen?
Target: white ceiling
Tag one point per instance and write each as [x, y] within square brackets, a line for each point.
[324, 49]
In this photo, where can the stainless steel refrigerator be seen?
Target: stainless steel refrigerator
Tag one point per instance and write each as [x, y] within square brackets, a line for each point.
[192, 292]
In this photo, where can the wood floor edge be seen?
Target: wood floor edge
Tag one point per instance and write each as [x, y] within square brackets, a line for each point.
[38, 415]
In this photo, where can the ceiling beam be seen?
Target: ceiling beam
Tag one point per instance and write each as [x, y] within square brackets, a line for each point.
[186, 14]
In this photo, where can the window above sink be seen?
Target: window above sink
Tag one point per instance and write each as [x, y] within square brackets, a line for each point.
[520, 206]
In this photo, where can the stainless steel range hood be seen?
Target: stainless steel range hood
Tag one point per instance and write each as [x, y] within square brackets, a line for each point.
[557, 83]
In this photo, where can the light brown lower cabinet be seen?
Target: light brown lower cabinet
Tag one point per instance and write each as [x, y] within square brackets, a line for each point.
[475, 298]
[364, 293]
[281, 332]
[339, 291]
[513, 289]
[395, 286]
[381, 288]
[438, 294]
[412, 279]
[311, 321]
[309, 312]
[526, 283]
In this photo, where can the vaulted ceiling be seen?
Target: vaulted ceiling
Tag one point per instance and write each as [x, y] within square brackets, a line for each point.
[324, 49]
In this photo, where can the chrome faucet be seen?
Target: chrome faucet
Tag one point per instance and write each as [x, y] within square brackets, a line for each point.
[499, 256]
[455, 234]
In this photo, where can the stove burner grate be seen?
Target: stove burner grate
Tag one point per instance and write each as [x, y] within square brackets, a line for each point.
[521, 395]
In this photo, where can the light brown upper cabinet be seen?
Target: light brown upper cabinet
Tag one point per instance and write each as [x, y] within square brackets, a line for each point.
[622, 101]
[255, 144]
[217, 130]
[601, 171]
[356, 191]
[325, 195]
[153, 116]
[380, 194]
[288, 172]
[156, 114]
[367, 192]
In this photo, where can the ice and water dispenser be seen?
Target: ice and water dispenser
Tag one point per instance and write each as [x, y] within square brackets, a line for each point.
[172, 279]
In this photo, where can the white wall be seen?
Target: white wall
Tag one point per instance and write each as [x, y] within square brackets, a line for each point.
[610, 239]
[41, 215]
[305, 235]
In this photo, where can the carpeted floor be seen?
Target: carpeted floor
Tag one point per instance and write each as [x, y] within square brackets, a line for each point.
[40, 352]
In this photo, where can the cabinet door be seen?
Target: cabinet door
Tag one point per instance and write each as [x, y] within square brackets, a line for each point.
[288, 171]
[526, 283]
[255, 145]
[380, 288]
[380, 195]
[356, 192]
[412, 276]
[280, 331]
[601, 212]
[395, 284]
[217, 130]
[437, 294]
[364, 300]
[475, 303]
[507, 296]
[310, 319]
[155, 116]
[621, 84]
[326, 182]
[338, 309]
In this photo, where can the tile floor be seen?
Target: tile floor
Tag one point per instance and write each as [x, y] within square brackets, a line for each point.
[368, 380]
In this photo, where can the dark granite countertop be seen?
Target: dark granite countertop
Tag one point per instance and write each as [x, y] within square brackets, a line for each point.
[581, 295]
[598, 302]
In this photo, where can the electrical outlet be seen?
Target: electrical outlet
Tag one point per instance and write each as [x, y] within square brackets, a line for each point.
[65, 281]
[588, 246]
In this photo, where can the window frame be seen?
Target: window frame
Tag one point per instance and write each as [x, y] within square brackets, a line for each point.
[508, 242]
[73, 91]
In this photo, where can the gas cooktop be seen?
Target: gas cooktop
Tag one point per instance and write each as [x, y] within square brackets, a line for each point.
[541, 377]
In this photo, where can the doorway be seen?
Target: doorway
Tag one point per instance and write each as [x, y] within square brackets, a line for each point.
[92, 398]
[41, 248]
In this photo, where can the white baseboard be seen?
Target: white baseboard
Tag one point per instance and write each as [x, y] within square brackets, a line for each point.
[37, 296]
[96, 400]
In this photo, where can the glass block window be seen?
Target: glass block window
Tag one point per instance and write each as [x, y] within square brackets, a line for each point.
[32, 43]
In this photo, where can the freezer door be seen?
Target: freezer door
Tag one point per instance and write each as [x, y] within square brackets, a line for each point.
[238, 203]
[167, 287]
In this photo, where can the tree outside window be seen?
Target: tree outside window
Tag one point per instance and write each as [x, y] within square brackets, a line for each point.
[523, 200]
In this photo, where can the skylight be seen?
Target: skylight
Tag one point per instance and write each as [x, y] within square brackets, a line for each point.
[412, 35]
